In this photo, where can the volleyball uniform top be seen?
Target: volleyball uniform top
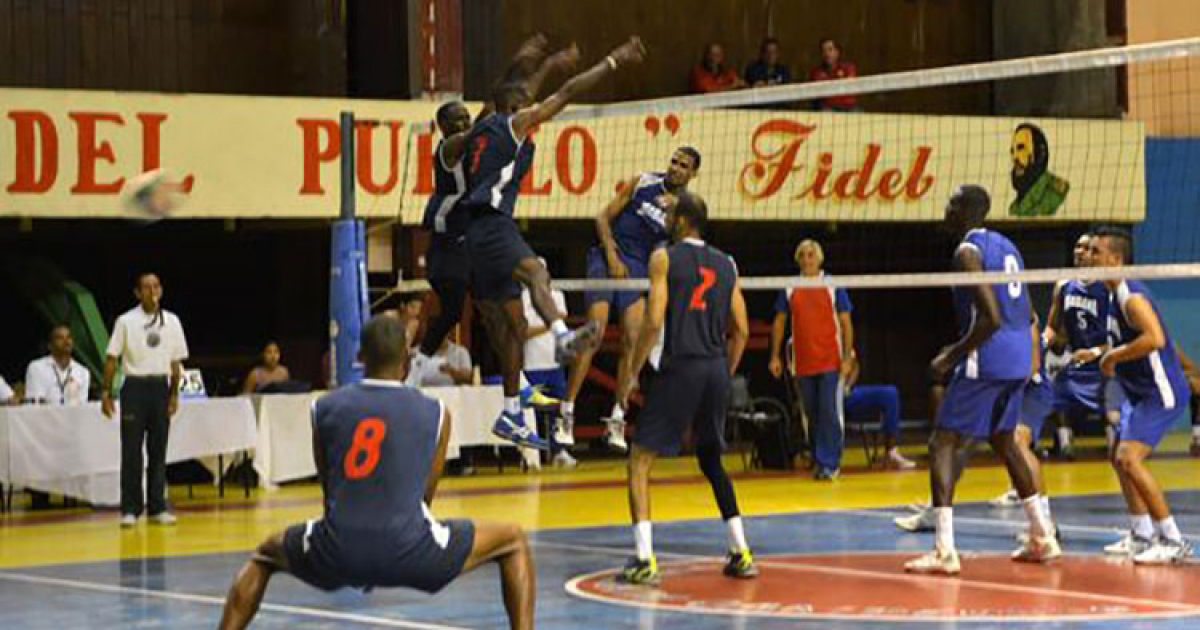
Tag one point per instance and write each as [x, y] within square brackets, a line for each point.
[1083, 307]
[1158, 375]
[449, 185]
[495, 163]
[1008, 353]
[700, 281]
[641, 226]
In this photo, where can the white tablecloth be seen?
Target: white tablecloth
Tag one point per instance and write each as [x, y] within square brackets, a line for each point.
[76, 451]
[285, 428]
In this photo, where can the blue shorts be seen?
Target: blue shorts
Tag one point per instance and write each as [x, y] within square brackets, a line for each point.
[688, 393]
[447, 259]
[1036, 405]
[980, 408]
[552, 381]
[1148, 420]
[597, 267]
[317, 558]
[495, 246]
[1077, 391]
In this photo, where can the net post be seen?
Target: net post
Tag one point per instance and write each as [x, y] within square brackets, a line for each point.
[346, 128]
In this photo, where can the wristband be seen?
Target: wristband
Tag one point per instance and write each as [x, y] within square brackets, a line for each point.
[612, 63]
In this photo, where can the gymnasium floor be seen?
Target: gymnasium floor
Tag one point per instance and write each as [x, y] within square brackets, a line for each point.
[830, 557]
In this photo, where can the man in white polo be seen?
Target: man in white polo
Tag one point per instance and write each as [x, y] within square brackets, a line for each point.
[150, 344]
[57, 379]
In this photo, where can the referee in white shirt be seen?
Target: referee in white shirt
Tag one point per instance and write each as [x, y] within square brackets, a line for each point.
[149, 342]
[57, 379]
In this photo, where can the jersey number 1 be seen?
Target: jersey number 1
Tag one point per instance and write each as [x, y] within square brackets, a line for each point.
[480, 147]
[707, 278]
[363, 455]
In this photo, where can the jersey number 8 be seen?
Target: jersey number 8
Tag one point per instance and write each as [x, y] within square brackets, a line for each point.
[363, 456]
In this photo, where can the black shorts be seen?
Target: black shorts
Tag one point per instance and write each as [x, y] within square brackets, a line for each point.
[495, 246]
[314, 557]
[688, 392]
[447, 259]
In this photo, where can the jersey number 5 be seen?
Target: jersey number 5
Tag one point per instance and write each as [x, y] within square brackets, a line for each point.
[707, 278]
[363, 455]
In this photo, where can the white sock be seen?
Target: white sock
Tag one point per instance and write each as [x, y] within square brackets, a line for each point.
[1064, 436]
[737, 534]
[643, 536]
[1196, 432]
[1045, 501]
[617, 413]
[1039, 523]
[512, 405]
[1142, 527]
[559, 328]
[1167, 529]
[943, 518]
[567, 407]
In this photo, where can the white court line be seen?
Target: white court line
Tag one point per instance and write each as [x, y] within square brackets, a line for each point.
[1003, 523]
[303, 611]
[1173, 607]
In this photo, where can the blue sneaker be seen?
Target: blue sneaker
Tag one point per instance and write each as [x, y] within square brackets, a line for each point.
[512, 427]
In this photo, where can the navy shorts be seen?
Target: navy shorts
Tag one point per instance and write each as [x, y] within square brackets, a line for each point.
[552, 381]
[495, 246]
[980, 408]
[1077, 391]
[316, 558]
[447, 259]
[1149, 419]
[686, 393]
[597, 267]
[1036, 405]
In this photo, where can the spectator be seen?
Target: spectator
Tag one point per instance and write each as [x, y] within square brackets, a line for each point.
[541, 370]
[57, 379]
[712, 75]
[767, 70]
[268, 371]
[822, 342]
[832, 67]
[883, 402]
[1192, 372]
[449, 366]
[410, 312]
[7, 396]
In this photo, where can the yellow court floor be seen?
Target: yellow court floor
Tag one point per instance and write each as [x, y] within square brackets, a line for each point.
[591, 495]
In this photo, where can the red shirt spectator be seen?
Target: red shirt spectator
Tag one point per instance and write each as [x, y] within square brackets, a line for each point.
[833, 68]
[712, 75]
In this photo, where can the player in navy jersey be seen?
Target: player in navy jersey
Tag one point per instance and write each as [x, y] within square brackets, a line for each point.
[694, 293]
[989, 366]
[1144, 363]
[379, 447]
[630, 228]
[500, 153]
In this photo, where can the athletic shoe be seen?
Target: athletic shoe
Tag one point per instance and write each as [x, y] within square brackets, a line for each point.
[1040, 550]
[641, 572]
[163, 518]
[1164, 551]
[531, 460]
[1010, 498]
[826, 474]
[567, 345]
[614, 438]
[564, 432]
[513, 429]
[1067, 452]
[740, 564]
[898, 461]
[533, 397]
[1129, 545]
[1023, 537]
[915, 523]
[128, 520]
[936, 561]
[563, 459]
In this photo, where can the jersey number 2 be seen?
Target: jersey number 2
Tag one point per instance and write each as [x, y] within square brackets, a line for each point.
[363, 456]
[707, 278]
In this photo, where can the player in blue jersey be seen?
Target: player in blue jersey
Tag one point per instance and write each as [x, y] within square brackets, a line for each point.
[630, 228]
[1144, 363]
[499, 155]
[379, 447]
[989, 366]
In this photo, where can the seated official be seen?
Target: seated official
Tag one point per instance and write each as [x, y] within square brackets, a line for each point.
[449, 366]
[57, 379]
[268, 371]
[882, 401]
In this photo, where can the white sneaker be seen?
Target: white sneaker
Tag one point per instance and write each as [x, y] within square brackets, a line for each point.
[1164, 551]
[563, 459]
[922, 521]
[531, 460]
[615, 436]
[937, 562]
[1009, 499]
[1129, 545]
[128, 520]
[163, 518]
[898, 461]
[564, 432]
[1039, 550]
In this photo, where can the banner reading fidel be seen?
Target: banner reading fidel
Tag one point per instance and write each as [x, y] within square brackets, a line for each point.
[69, 153]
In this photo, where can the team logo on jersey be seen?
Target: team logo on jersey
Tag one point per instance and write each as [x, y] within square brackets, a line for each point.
[652, 212]
[1040, 193]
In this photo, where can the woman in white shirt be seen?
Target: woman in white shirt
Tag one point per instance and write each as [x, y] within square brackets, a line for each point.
[450, 366]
